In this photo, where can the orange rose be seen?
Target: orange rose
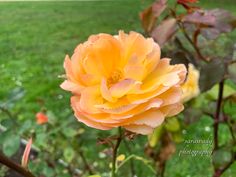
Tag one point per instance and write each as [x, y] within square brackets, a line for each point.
[121, 81]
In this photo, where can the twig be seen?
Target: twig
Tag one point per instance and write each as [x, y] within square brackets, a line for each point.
[14, 166]
[195, 36]
[179, 23]
[191, 42]
[87, 166]
[119, 139]
[217, 113]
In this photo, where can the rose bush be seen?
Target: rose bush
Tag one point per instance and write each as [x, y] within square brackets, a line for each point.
[121, 81]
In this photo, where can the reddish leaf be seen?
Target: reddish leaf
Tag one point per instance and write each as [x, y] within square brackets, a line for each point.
[211, 73]
[225, 21]
[164, 31]
[212, 22]
[147, 19]
[210, 33]
[149, 16]
[158, 7]
[200, 18]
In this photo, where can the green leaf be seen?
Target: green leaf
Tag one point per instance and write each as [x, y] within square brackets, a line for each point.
[41, 139]
[11, 144]
[69, 132]
[213, 92]
[69, 154]
[177, 137]
[211, 73]
[8, 123]
[49, 172]
[230, 109]
[221, 157]
[51, 117]
[15, 95]
[26, 126]
[172, 124]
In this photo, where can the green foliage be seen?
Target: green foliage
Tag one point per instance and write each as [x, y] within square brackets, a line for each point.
[69, 154]
[221, 157]
[10, 142]
[172, 124]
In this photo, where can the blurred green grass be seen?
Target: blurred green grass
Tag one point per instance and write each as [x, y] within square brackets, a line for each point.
[36, 36]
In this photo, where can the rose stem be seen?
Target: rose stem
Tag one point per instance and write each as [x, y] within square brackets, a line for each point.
[119, 139]
[217, 113]
[14, 166]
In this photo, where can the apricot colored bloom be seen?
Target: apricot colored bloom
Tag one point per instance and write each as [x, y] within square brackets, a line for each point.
[121, 81]
[41, 118]
[191, 86]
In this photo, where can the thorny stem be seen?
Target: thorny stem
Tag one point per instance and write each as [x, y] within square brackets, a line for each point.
[14, 166]
[114, 155]
[217, 113]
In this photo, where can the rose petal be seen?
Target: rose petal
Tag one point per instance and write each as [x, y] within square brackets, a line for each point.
[123, 87]
[172, 110]
[80, 116]
[171, 96]
[106, 94]
[152, 118]
[140, 129]
[90, 96]
[71, 86]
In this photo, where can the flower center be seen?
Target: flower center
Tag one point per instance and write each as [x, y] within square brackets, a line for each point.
[115, 77]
